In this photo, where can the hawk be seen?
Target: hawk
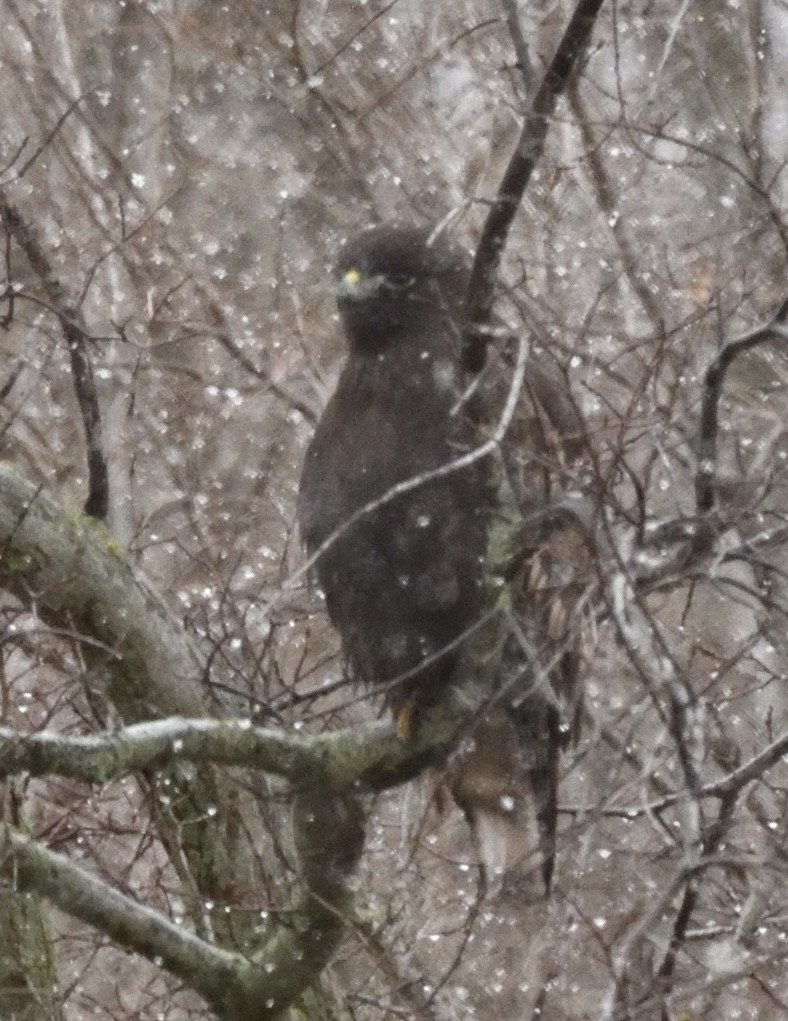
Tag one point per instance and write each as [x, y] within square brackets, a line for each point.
[401, 542]
[402, 573]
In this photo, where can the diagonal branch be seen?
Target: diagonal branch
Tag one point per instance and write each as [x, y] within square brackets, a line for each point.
[132, 925]
[237, 986]
[526, 155]
[76, 336]
[76, 570]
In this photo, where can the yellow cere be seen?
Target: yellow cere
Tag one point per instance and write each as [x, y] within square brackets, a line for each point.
[352, 276]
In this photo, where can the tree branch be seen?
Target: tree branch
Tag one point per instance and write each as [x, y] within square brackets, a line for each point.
[526, 155]
[74, 567]
[371, 758]
[76, 335]
[524, 65]
[133, 926]
[706, 471]
[69, 569]
[236, 985]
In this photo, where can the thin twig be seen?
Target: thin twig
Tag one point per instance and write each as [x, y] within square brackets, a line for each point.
[49, 137]
[486, 449]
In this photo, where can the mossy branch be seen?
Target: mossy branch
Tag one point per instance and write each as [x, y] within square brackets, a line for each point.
[69, 568]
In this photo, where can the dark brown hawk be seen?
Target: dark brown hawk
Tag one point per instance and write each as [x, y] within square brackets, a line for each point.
[403, 569]
[403, 575]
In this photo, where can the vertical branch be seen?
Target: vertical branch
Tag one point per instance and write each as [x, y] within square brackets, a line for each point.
[522, 55]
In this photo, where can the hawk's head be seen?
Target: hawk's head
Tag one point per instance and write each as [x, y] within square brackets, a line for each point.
[391, 281]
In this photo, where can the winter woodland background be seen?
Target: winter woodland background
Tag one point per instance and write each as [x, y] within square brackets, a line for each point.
[176, 178]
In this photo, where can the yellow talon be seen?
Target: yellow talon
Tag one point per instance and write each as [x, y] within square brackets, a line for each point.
[403, 720]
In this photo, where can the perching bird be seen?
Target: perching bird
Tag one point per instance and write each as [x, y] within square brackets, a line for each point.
[403, 577]
[404, 571]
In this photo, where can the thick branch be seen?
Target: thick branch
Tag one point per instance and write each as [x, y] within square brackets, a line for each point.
[131, 925]
[329, 834]
[236, 986]
[67, 566]
[370, 758]
[70, 571]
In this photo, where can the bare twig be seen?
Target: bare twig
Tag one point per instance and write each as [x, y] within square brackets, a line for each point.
[49, 137]
[619, 226]
[723, 788]
[524, 65]
[486, 449]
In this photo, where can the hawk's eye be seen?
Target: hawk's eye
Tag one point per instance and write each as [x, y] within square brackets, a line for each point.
[399, 281]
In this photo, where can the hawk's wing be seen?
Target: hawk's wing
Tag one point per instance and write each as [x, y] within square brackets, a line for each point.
[506, 779]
